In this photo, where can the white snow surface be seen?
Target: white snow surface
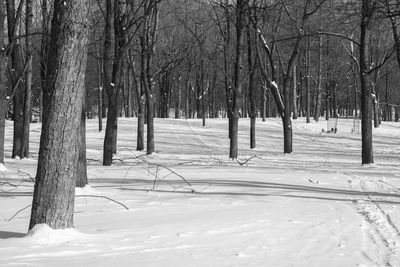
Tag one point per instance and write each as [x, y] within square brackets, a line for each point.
[315, 207]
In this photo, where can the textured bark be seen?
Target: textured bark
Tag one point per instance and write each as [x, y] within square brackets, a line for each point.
[228, 87]
[395, 32]
[141, 118]
[3, 81]
[99, 94]
[252, 88]
[237, 83]
[17, 66]
[366, 117]
[112, 86]
[147, 41]
[81, 173]
[44, 48]
[140, 106]
[54, 193]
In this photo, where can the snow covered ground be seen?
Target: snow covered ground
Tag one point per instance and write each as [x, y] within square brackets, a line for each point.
[315, 207]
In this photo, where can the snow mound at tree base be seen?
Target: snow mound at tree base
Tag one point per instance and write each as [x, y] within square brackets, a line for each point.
[44, 234]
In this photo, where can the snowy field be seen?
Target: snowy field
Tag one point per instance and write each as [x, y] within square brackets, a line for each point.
[315, 207]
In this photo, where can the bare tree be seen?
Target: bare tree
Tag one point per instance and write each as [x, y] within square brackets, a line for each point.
[3, 101]
[237, 79]
[28, 79]
[53, 197]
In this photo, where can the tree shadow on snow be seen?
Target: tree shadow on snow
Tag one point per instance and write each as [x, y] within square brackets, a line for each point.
[6, 235]
[265, 189]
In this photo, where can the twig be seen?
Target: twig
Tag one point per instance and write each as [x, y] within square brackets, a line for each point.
[18, 212]
[22, 174]
[112, 200]
[247, 160]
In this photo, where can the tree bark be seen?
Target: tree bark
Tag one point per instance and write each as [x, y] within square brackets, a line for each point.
[147, 41]
[28, 80]
[81, 173]
[237, 83]
[3, 81]
[366, 118]
[138, 81]
[54, 193]
[252, 88]
[17, 67]
[44, 48]
[113, 87]
[100, 92]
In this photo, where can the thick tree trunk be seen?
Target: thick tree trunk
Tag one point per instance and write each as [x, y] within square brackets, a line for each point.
[111, 129]
[113, 87]
[54, 193]
[237, 83]
[366, 118]
[286, 119]
[147, 42]
[140, 106]
[150, 126]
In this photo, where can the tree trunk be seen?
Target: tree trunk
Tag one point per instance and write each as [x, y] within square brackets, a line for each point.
[54, 193]
[140, 105]
[286, 119]
[318, 101]
[99, 93]
[17, 67]
[366, 118]
[44, 47]
[308, 101]
[295, 113]
[237, 83]
[3, 81]
[264, 103]
[141, 119]
[252, 88]
[81, 172]
[108, 87]
[28, 80]
[113, 88]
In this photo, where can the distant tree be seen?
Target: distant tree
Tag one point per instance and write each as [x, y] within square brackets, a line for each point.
[54, 195]
[28, 79]
[3, 81]
[17, 72]
[272, 80]
[237, 77]
[81, 172]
